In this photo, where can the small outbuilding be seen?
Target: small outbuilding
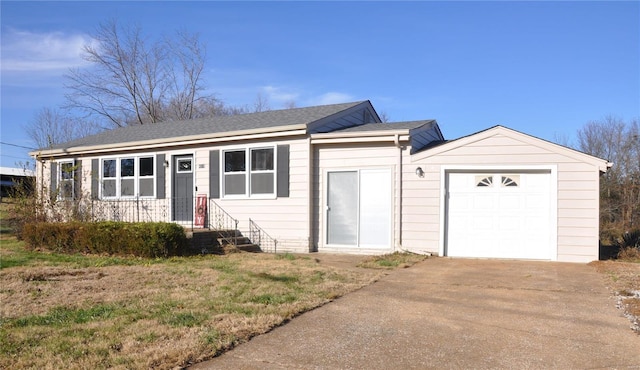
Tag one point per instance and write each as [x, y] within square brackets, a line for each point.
[10, 177]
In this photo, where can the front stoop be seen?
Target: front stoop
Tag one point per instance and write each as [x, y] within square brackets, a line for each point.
[233, 239]
[205, 241]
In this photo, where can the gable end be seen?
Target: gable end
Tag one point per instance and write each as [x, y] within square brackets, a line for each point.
[354, 116]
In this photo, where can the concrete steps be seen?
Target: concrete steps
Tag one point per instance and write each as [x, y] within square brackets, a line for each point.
[220, 242]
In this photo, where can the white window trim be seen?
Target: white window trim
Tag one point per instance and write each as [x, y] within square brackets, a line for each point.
[185, 158]
[136, 177]
[247, 172]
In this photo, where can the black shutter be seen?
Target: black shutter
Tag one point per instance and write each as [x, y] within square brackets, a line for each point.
[214, 174]
[77, 179]
[283, 171]
[160, 176]
[95, 178]
[54, 180]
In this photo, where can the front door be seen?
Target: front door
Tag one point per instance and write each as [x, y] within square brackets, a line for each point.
[182, 188]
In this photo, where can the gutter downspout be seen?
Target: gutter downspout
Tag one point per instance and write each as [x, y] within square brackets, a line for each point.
[311, 187]
[398, 223]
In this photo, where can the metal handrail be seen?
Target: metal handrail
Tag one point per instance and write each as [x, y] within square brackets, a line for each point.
[221, 220]
[257, 234]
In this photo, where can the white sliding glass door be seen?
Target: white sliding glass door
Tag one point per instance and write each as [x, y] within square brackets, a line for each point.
[358, 208]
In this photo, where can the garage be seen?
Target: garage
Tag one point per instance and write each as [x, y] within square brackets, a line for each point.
[499, 214]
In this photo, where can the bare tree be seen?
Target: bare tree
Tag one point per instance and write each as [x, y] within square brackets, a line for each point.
[619, 142]
[137, 81]
[384, 117]
[53, 126]
[261, 104]
[185, 82]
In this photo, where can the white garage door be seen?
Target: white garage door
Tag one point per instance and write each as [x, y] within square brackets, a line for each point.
[499, 215]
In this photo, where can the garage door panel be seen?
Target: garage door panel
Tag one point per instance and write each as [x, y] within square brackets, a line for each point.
[482, 201]
[494, 215]
[482, 224]
[507, 224]
[509, 202]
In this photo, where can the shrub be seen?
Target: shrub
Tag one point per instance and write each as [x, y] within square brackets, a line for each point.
[630, 240]
[149, 239]
[629, 245]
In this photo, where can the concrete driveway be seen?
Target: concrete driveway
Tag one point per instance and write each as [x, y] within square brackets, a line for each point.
[456, 313]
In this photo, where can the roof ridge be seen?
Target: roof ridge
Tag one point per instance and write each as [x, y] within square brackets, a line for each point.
[211, 125]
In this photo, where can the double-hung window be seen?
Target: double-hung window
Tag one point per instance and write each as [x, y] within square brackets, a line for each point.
[124, 177]
[127, 177]
[67, 180]
[249, 172]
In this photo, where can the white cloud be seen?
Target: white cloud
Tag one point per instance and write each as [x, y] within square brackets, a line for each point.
[332, 98]
[24, 51]
[279, 95]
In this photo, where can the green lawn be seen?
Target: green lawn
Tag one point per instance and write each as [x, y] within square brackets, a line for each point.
[76, 311]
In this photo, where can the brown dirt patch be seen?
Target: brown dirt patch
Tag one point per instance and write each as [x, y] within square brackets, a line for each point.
[623, 279]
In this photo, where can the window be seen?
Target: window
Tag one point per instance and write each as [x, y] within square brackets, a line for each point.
[510, 181]
[184, 165]
[249, 172]
[109, 178]
[67, 180]
[128, 177]
[482, 181]
[262, 174]
[146, 179]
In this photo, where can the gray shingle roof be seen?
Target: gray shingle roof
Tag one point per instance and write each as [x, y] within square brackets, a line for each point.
[407, 125]
[210, 125]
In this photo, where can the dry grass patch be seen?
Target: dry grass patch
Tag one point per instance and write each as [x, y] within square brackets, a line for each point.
[85, 313]
[629, 254]
[392, 261]
[623, 278]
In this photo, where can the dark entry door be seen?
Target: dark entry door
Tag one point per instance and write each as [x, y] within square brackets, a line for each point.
[182, 189]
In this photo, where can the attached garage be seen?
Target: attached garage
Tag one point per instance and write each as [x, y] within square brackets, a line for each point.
[500, 214]
[500, 193]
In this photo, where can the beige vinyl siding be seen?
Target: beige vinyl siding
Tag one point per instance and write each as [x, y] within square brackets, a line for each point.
[201, 172]
[577, 190]
[421, 207]
[330, 157]
[285, 218]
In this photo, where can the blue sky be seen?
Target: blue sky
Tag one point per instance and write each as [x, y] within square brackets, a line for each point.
[544, 68]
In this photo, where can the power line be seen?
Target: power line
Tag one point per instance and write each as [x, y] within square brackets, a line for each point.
[17, 146]
[14, 157]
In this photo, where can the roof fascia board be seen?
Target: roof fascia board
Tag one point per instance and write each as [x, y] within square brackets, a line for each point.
[569, 152]
[328, 135]
[253, 134]
[602, 164]
[359, 139]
